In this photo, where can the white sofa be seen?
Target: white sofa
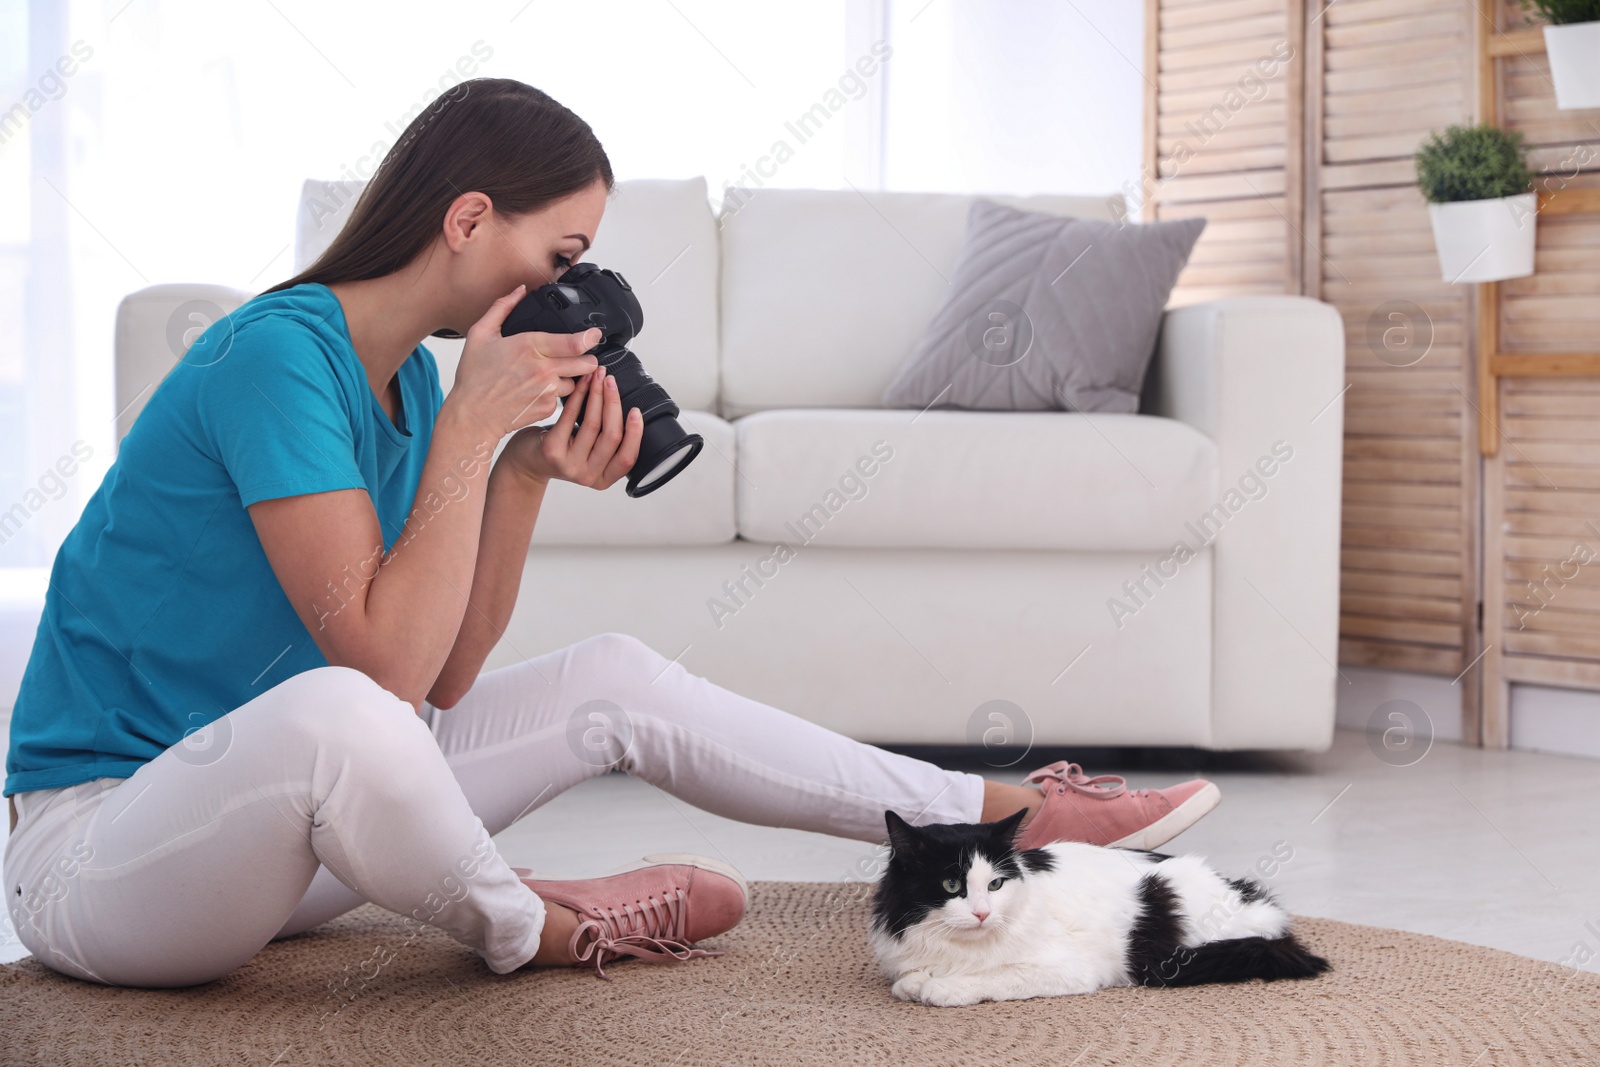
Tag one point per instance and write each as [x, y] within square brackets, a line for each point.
[951, 576]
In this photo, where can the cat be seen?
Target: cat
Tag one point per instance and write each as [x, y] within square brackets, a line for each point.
[962, 916]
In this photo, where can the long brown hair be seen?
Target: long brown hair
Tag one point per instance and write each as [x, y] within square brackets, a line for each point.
[496, 136]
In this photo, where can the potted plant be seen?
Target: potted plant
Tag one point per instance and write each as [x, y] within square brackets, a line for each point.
[1572, 42]
[1481, 202]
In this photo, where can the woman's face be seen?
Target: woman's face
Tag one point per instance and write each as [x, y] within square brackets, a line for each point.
[495, 252]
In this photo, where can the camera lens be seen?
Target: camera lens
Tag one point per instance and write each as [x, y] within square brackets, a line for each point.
[665, 448]
[667, 467]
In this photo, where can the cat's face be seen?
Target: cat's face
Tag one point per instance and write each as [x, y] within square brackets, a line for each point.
[958, 880]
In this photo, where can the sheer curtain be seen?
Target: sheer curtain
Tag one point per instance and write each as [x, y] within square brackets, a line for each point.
[152, 141]
[1015, 96]
[174, 151]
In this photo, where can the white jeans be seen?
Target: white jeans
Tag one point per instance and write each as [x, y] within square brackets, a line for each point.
[327, 791]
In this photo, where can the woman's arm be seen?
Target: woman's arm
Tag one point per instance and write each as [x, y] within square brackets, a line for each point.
[596, 454]
[511, 507]
[394, 616]
[398, 617]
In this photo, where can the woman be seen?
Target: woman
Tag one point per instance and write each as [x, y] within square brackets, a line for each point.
[254, 700]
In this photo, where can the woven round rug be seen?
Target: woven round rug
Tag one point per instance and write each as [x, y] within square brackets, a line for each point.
[797, 985]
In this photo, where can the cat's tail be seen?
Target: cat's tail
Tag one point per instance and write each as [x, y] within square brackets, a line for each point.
[1236, 959]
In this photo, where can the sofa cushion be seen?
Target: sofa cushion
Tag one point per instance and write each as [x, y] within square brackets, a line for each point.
[695, 508]
[660, 234]
[971, 479]
[1023, 331]
[825, 292]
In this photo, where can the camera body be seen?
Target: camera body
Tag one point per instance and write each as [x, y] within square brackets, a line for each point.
[586, 297]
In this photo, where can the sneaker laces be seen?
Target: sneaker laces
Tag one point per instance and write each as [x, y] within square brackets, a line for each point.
[1070, 776]
[651, 930]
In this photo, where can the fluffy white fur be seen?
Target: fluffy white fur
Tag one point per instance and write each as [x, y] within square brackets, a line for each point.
[1051, 933]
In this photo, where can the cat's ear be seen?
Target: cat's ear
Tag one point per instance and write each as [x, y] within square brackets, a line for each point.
[903, 837]
[1006, 828]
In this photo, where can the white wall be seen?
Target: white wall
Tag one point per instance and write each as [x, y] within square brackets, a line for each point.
[1015, 96]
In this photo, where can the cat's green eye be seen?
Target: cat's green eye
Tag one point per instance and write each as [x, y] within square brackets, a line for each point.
[996, 884]
[952, 886]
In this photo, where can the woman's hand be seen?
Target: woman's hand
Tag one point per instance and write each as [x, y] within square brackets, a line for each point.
[504, 383]
[601, 451]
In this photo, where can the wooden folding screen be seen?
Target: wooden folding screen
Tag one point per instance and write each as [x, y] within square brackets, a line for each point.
[1222, 140]
[1310, 188]
[1381, 75]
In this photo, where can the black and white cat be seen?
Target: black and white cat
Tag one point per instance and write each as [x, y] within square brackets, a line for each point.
[961, 916]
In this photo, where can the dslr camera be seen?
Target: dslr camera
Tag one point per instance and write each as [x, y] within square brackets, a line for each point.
[585, 297]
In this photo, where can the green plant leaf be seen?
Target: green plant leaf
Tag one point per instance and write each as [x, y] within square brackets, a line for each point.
[1565, 12]
[1472, 163]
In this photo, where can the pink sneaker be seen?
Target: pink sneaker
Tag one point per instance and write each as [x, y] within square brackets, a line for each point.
[653, 910]
[1104, 811]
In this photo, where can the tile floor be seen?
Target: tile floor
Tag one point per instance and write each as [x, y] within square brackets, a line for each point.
[1494, 848]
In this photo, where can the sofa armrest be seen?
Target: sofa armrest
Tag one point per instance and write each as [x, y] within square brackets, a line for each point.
[155, 326]
[1263, 377]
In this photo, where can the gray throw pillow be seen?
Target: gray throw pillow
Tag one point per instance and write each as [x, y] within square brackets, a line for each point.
[1047, 312]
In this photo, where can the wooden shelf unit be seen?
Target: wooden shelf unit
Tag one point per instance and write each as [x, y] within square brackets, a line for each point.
[1538, 408]
[1494, 364]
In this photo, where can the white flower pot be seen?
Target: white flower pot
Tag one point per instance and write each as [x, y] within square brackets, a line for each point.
[1574, 51]
[1485, 240]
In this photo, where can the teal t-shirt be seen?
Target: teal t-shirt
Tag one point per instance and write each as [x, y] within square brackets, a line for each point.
[162, 612]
